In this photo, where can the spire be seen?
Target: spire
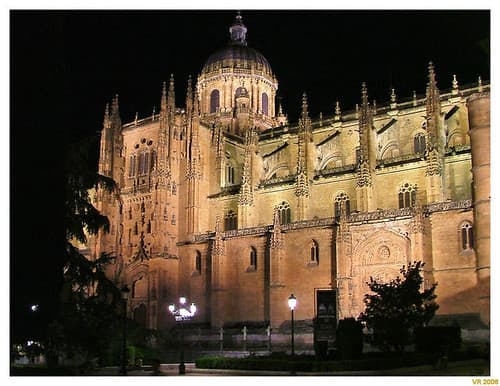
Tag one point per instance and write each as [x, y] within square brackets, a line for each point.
[393, 99]
[107, 118]
[338, 112]
[304, 105]
[196, 104]
[238, 31]
[304, 137]
[171, 111]
[189, 97]
[479, 84]
[365, 125]
[164, 97]
[433, 106]
[106, 143]
[115, 108]
[435, 145]
[171, 93]
[364, 115]
[432, 75]
[115, 116]
[414, 98]
[454, 85]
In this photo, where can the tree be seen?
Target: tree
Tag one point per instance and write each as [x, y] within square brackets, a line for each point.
[395, 309]
[89, 303]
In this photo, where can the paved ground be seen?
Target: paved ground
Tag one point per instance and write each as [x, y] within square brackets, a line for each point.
[473, 367]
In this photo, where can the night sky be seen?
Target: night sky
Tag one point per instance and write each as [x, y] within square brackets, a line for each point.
[65, 66]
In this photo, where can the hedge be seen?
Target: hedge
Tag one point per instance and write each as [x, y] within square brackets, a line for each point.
[306, 364]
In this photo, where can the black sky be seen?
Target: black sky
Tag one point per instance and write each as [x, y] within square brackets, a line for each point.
[65, 66]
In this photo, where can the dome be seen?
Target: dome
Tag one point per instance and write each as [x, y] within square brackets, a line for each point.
[237, 55]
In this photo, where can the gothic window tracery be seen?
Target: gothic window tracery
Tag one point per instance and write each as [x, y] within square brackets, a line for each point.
[466, 236]
[342, 200]
[229, 174]
[285, 213]
[132, 161]
[230, 221]
[419, 143]
[407, 195]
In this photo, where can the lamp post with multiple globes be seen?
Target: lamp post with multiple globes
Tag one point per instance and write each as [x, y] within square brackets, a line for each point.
[181, 313]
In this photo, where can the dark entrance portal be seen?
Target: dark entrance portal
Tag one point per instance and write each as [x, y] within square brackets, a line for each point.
[325, 322]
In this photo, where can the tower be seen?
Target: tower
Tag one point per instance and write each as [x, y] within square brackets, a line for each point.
[237, 82]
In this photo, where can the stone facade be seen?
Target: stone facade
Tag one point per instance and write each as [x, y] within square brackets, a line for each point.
[225, 202]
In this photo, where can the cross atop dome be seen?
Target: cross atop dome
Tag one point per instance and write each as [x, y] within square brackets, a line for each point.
[238, 31]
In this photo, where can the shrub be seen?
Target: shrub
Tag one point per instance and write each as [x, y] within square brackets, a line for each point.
[307, 364]
[349, 339]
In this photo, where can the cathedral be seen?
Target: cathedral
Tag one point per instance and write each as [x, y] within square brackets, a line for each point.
[226, 202]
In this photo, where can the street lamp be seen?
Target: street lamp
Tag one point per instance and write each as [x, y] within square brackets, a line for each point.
[292, 303]
[125, 291]
[182, 313]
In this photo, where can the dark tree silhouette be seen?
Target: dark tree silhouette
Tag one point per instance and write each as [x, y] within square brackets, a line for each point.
[395, 309]
[89, 303]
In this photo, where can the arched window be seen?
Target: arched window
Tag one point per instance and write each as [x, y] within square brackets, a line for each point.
[314, 252]
[265, 104]
[197, 262]
[419, 143]
[342, 201]
[229, 174]
[153, 160]
[136, 229]
[214, 101]
[407, 195]
[143, 164]
[230, 221]
[238, 92]
[253, 258]
[131, 169]
[148, 227]
[466, 236]
[146, 164]
[285, 213]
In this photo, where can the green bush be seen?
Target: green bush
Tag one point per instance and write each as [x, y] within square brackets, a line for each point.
[349, 338]
[308, 364]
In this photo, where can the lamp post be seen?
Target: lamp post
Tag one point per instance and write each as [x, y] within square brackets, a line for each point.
[125, 291]
[292, 303]
[182, 313]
